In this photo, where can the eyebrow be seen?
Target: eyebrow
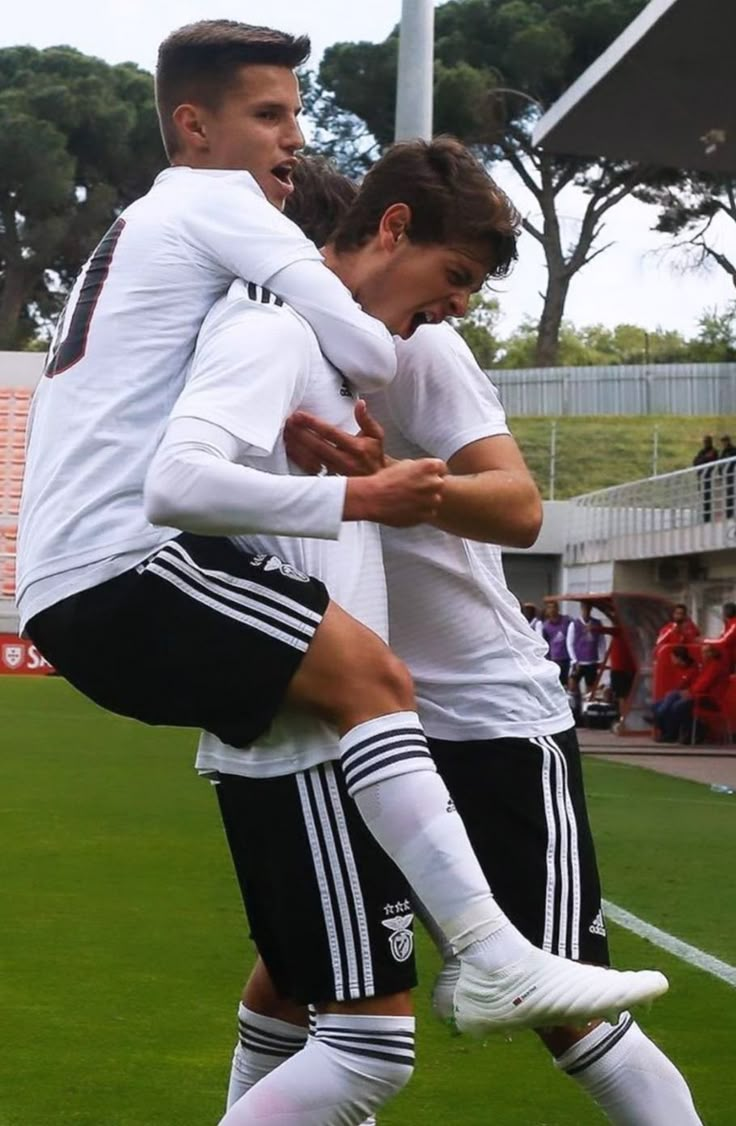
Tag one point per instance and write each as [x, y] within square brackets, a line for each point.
[280, 106]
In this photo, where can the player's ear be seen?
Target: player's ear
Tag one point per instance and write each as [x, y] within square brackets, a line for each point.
[394, 225]
[190, 127]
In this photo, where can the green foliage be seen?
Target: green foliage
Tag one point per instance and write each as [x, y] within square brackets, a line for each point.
[78, 142]
[688, 206]
[596, 345]
[497, 64]
[478, 329]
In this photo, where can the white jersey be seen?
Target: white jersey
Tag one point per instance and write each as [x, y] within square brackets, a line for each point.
[119, 361]
[480, 672]
[252, 405]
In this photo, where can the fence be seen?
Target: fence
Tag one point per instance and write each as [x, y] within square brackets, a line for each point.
[692, 389]
[678, 513]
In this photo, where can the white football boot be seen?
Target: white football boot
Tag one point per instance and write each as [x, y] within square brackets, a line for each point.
[542, 990]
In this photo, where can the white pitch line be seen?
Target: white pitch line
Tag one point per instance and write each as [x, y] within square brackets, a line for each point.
[676, 946]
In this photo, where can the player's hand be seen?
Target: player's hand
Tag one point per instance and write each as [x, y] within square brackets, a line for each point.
[315, 445]
[401, 495]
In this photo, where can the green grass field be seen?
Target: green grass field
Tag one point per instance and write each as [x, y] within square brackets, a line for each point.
[594, 452]
[123, 946]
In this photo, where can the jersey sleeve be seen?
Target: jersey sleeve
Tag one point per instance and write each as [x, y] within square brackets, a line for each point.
[441, 400]
[241, 231]
[248, 372]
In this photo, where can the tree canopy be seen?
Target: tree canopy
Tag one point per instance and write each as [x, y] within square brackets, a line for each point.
[498, 63]
[78, 142]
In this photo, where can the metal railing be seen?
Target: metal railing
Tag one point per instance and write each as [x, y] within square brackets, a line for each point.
[634, 389]
[678, 513]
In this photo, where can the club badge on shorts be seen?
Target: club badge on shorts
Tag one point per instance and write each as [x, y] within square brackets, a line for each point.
[401, 938]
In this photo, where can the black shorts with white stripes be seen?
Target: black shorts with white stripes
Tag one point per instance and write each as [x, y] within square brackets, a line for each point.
[523, 804]
[329, 911]
[201, 634]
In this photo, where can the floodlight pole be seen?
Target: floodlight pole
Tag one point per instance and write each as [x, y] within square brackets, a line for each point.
[414, 87]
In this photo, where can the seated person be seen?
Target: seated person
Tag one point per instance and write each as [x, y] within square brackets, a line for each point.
[662, 712]
[705, 695]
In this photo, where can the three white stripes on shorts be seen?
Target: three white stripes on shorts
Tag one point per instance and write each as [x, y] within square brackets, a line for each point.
[563, 895]
[247, 602]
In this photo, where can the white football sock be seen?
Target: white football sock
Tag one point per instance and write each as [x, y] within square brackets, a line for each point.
[629, 1078]
[392, 777]
[263, 1044]
[352, 1066]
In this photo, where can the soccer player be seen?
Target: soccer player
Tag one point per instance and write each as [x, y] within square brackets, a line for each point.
[497, 716]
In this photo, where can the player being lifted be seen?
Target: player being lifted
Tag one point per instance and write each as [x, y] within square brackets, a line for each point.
[221, 641]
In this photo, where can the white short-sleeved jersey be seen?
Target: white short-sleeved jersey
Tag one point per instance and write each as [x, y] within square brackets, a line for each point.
[479, 671]
[119, 361]
[228, 389]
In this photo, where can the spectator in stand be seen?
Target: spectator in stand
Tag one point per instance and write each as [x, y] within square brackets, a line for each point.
[554, 631]
[728, 453]
[681, 630]
[664, 715]
[727, 640]
[584, 641]
[531, 613]
[704, 696]
[706, 456]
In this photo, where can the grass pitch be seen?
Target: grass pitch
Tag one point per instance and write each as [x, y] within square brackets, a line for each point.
[123, 945]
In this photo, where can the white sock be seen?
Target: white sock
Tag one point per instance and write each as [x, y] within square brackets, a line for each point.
[391, 776]
[352, 1066]
[629, 1078]
[263, 1044]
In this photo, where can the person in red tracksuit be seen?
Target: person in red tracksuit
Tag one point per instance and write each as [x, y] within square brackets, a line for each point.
[681, 630]
[705, 695]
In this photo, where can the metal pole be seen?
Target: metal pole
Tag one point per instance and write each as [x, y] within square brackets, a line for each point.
[655, 450]
[414, 89]
[552, 459]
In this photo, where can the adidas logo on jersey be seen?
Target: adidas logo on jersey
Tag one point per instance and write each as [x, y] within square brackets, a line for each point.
[261, 294]
[598, 926]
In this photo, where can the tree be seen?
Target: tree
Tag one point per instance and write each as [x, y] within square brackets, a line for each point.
[78, 142]
[479, 329]
[498, 64]
[689, 206]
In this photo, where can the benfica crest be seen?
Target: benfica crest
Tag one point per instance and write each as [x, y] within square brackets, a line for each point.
[13, 656]
[401, 939]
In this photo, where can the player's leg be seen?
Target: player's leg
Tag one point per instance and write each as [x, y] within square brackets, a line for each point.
[204, 635]
[527, 797]
[341, 933]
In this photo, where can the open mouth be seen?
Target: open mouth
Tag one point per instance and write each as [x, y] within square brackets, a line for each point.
[283, 173]
[420, 319]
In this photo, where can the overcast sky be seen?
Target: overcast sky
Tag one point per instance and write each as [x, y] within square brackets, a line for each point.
[631, 282]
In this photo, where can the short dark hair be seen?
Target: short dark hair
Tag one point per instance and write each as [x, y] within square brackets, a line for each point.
[200, 62]
[680, 653]
[321, 197]
[452, 198]
[680, 606]
[729, 609]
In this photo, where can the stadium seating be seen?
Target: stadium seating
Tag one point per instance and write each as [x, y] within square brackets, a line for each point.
[14, 406]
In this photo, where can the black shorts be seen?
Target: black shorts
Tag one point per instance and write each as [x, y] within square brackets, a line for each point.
[523, 804]
[588, 673]
[200, 635]
[329, 911]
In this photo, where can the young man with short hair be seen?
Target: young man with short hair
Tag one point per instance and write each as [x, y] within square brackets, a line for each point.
[497, 716]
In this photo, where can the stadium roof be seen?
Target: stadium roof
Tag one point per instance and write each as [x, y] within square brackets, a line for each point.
[663, 93]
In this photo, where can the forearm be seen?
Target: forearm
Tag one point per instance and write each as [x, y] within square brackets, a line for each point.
[494, 506]
[194, 487]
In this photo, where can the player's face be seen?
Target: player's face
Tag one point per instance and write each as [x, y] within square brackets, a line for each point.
[421, 284]
[256, 129]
